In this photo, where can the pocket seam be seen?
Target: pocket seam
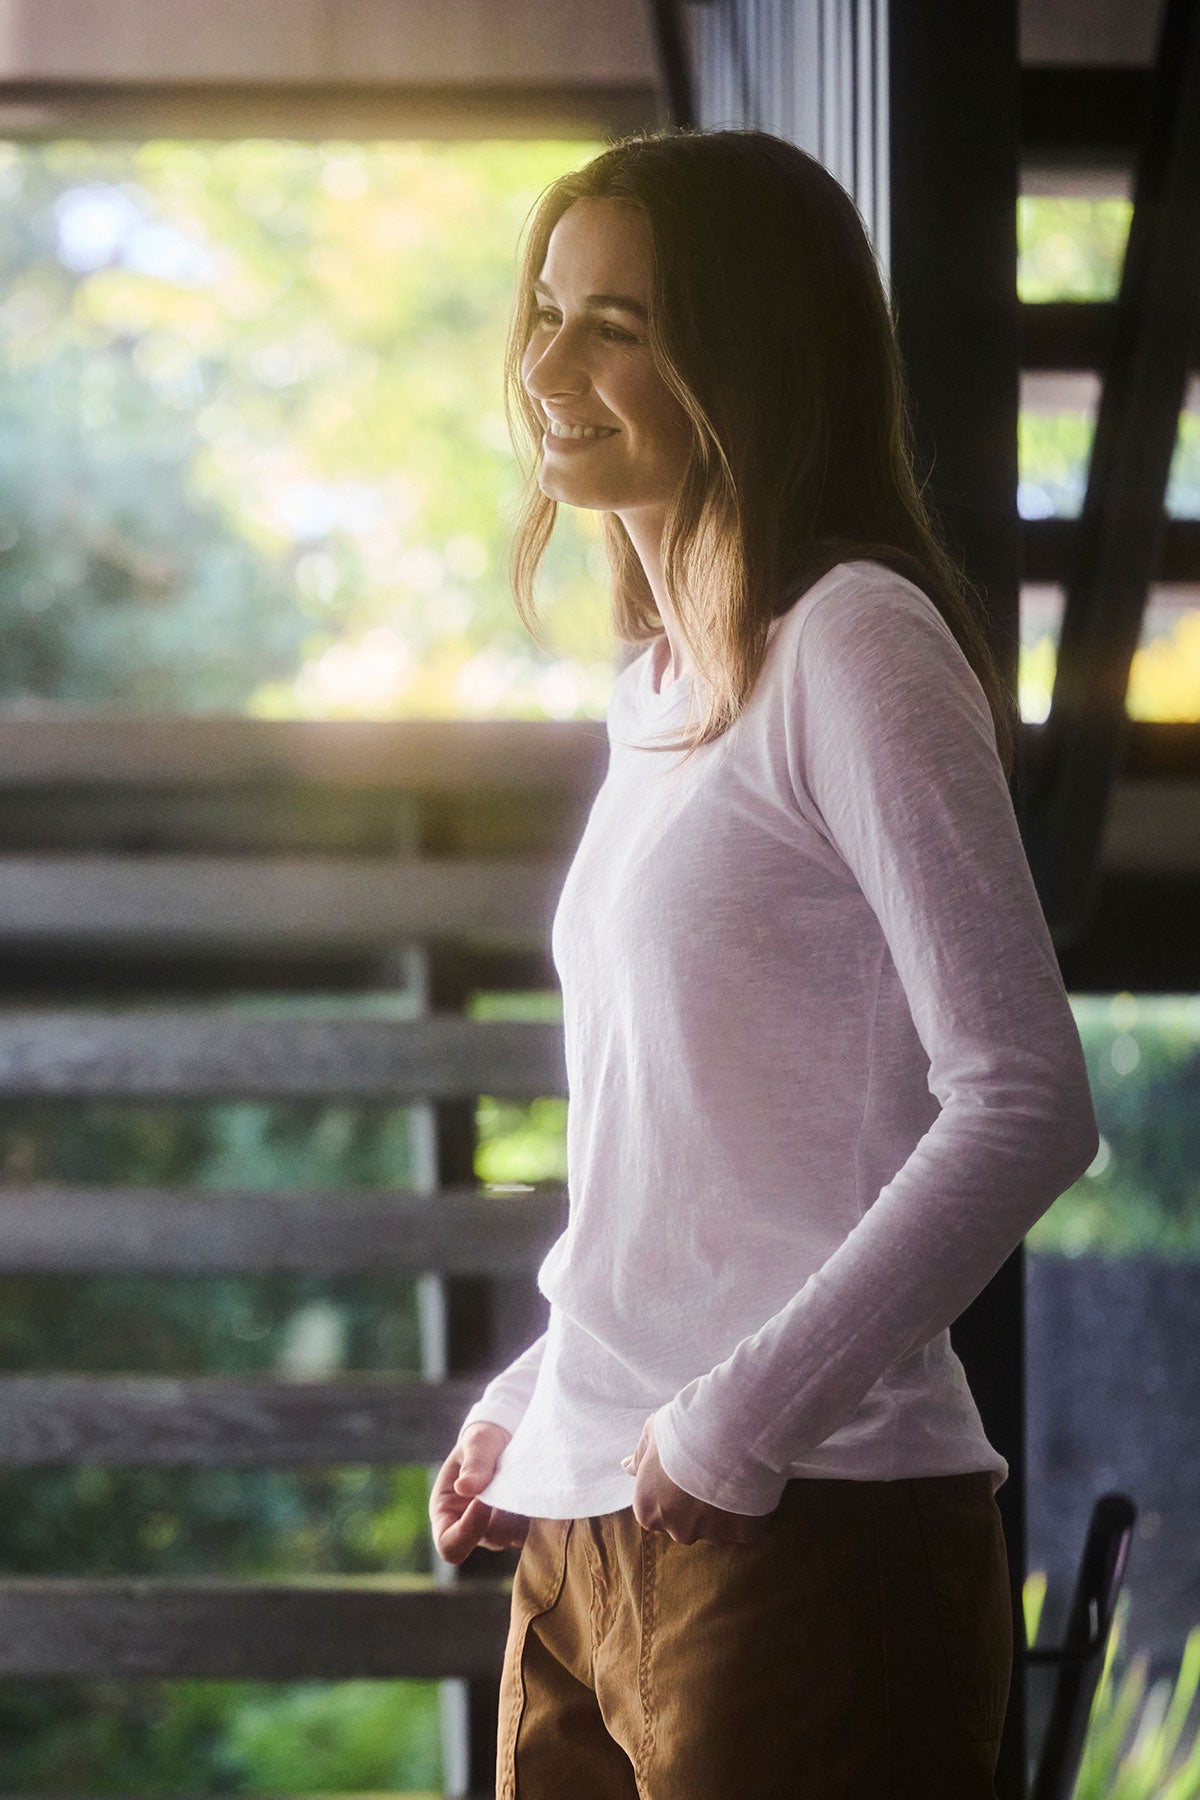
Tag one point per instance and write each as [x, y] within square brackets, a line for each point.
[558, 1575]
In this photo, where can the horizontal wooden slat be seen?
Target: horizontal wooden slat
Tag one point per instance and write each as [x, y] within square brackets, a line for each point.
[363, 1231]
[1156, 751]
[1153, 827]
[59, 760]
[225, 820]
[1066, 334]
[1071, 334]
[99, 750]
[149, 906]
[1081, 115]
[333, 1628]
[63, 976]
[1047, 548]
[228, 1421]
[1141, 938]
[210, 1053]
[280, 903]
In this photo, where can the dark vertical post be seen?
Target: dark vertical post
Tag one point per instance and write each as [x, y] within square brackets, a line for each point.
[954, 154]
[470, 1325]
[457, 1337]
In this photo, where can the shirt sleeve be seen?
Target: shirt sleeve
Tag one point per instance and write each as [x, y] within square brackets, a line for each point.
[891, 755]
[506, 1397]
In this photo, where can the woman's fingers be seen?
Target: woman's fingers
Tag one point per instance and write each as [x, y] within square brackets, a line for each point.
[632, 1462]
[445, 1506]
[459, 1519]
[480, 1525]
[712, 1526]
[456, 1542]
[465, 1472]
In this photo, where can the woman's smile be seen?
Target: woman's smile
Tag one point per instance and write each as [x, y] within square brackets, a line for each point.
[551, 441]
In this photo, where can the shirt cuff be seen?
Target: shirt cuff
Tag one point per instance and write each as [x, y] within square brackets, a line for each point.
[750, 1488]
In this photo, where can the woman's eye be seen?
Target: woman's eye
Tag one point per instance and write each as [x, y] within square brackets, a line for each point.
[611, 332]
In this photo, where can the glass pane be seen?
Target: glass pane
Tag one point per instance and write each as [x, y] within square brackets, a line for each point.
[1164, 681]
[1057, 425]
[1071, 247]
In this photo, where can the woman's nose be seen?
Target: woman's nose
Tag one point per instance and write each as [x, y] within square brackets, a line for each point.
[553, 372]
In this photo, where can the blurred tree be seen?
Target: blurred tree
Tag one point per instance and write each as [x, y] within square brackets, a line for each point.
[1141, 1195]
[252, 447]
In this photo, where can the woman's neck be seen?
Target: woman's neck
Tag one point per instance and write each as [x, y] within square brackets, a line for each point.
[645, 528]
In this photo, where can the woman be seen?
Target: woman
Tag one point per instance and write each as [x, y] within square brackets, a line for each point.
[823, 1073]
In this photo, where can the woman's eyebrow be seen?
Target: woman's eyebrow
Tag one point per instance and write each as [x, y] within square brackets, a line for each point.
[623, 302]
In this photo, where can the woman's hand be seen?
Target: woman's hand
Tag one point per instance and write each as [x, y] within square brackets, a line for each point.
[661, 1506]
[460, 1521]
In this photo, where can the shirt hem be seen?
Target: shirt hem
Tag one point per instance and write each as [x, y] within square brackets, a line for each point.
[588, 1502]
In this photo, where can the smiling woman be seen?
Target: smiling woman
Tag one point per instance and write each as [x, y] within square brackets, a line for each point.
[823, 1074]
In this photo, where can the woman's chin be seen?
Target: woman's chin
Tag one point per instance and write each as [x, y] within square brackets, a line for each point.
[571, 493]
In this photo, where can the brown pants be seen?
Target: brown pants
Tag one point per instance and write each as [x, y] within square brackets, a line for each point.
[860, 1648]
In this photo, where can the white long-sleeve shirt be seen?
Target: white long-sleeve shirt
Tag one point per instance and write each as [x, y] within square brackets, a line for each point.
[823, 1076]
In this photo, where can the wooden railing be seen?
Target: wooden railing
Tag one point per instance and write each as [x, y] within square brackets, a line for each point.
[423, 856]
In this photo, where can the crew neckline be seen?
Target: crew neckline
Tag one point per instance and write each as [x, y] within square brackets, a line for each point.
[658, 649]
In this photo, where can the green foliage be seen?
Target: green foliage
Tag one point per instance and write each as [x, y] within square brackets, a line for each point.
[1142, 1192]
[221, 1737]
[1133, 1746]
[253, 455]
[336, 1737]
[1055, 448]
[521, 1141]
[1070, 248]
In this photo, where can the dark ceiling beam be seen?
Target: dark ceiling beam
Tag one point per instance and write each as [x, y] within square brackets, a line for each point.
[666, 22]
[1075, 334]
[33, 110]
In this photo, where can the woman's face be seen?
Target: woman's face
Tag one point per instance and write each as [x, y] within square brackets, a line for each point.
[588, 362]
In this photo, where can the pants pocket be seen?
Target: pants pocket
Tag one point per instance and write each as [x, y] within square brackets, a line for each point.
[537, 1584]
[541, 1565]
[968, 1568]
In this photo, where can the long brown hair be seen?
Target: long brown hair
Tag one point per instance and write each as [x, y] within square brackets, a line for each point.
[770, 324]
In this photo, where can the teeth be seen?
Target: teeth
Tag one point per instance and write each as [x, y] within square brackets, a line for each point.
[579, 431]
